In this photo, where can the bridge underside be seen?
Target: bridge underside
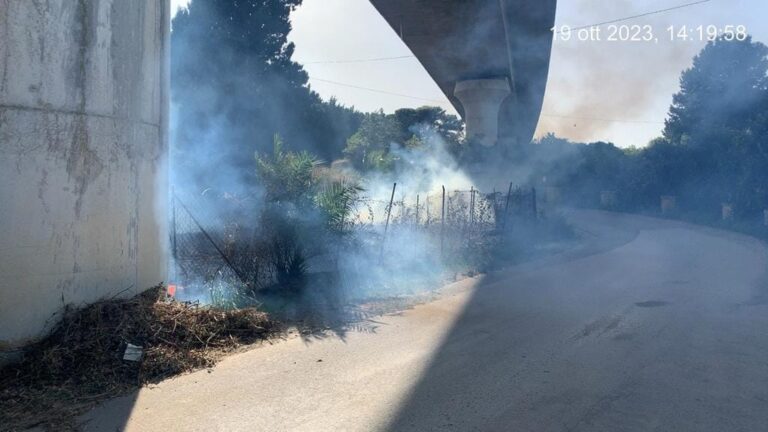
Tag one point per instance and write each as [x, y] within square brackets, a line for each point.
[468, 40]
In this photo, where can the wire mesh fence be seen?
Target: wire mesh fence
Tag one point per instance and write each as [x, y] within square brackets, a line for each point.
[457, 208]
[216, 236]
[207, 239]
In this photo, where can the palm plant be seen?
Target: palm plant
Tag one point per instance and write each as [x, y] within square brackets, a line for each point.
[286, 176]
[336, 201]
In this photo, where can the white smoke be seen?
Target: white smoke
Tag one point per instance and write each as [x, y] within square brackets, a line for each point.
[177, 5]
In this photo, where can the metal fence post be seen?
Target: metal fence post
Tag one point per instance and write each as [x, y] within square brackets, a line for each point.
[389, 212]
[506, 207]
[417, 209]
[173, 222]
[442, 225]
[471, 205]
[389, 209]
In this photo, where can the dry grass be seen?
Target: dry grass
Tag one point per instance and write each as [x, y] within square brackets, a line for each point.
[81, 362]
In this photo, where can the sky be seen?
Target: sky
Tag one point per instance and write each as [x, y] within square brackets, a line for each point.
[596, 90]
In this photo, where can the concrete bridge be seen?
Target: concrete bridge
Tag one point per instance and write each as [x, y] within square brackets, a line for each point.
[83, 132]
[489, 57]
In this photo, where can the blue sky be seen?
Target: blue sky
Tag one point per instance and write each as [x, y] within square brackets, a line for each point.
[612, 91]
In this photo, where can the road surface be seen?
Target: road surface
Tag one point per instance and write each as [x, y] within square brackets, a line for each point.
[653, 326]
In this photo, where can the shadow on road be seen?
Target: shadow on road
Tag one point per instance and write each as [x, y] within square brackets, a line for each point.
[607, 340]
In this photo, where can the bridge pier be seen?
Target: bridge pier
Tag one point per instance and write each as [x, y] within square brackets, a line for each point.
[481, 100]
[83, 140]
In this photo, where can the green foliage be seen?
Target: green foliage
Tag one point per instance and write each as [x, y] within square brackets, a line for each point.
[719, 94]
[306, 209]
[287, 254]
[335, 124]
[336, 201]
[720, 115]
[370, 148]
[234, 85]
[288, 180]
[449, 127]
[713, 149]
[286, 176]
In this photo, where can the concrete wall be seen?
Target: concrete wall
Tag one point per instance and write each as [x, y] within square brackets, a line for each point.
[83, 145]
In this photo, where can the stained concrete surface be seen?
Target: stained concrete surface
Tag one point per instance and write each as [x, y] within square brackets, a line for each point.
[83, 146]
[652, 326]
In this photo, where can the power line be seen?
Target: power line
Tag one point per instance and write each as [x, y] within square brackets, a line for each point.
[442, 102]
[376, 90]
[639, 15]
[368, 60]
[654, 12]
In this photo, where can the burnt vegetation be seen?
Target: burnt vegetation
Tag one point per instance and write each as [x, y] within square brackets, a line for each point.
[81, 361]
[312, 210]
[282, 202]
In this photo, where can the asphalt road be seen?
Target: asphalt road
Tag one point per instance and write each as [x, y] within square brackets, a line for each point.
[653, 326]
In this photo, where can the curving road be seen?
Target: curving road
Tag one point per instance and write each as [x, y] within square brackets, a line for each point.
[653, 326]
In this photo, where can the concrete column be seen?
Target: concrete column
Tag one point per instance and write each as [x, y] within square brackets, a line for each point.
[481, 100]
[83, 153]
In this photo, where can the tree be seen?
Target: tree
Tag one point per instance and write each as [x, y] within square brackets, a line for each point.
[721, 114]
[448, 126]
[369, 147]
[714, 147]
[234, 85]
[720, 94]
[287, 177]
[340, 123]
